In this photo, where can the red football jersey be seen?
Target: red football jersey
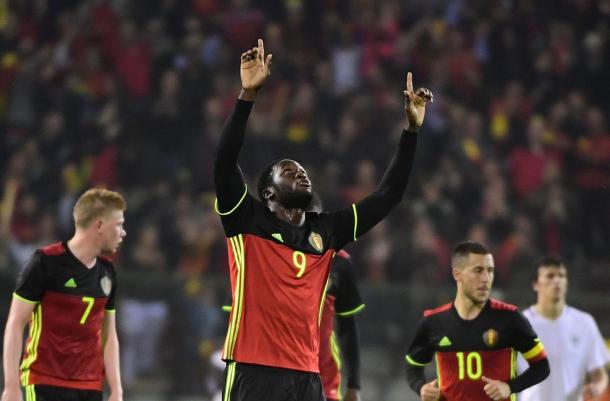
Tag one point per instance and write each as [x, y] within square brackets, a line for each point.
[64, 345]
[279, 275]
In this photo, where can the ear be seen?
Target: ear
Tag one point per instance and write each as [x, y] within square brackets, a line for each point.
[98, 225]
[456, 273]
[268, 193]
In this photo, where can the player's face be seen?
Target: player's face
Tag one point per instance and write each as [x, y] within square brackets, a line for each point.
[552, 283]
[292, 185]
[477, 277]
[112, 231]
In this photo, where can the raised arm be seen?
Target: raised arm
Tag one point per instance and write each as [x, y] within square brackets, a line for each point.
[230, 185]
[372, 209]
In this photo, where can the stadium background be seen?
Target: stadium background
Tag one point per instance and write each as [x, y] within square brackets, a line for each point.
[132, 94]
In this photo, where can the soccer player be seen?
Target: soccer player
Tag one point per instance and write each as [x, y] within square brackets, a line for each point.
[280, 256]
[67, 291]
[572, 340]
[342, 303]
[474, 339]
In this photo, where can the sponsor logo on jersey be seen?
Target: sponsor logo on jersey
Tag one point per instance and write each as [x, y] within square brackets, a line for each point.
[445, 342]
[315, 240]
[490, 337]
[70, 283]
[106, 285]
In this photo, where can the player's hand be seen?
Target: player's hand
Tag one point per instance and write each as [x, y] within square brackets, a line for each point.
[12, 394]
[496, 389]
[430, 391]
[255, 68]
[415, 103]
[352, 394]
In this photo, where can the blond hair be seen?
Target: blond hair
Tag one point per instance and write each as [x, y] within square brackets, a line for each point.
[96, 203]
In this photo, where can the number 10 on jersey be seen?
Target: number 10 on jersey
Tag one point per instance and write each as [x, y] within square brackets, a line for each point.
[472, 364]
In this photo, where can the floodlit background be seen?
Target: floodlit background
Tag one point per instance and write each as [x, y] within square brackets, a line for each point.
[132, 94]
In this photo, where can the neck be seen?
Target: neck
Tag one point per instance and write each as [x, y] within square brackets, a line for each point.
[295, 217]
[84, 249]
[550, 309]
[466, 308]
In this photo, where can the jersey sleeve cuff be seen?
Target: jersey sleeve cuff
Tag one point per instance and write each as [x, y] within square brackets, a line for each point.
[235, 207]
[352, 312]
[113, 311]
[413, 362]
[19, 297]
[355, 220]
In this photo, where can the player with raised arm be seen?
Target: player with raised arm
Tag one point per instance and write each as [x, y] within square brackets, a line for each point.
[280, 255]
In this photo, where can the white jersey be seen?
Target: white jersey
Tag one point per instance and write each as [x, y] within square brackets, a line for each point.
[574, 346]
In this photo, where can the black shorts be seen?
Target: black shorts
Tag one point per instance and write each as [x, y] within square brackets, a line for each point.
[42, 392]
[245, 382]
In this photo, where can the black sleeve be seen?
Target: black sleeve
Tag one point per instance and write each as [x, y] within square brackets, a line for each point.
[526, 341]
[347, 330]
[419, 354]
[415, 377]
[349, 224]
[31, 280]
[230, 185]
[372, 209]
[534, 374]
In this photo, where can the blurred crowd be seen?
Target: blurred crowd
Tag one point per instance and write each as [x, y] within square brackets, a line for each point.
[132, 95]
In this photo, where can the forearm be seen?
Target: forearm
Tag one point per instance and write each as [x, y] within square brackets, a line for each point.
[13, 345]
[415, 378]
[227, 174]
[112, 364]
[376, 206]
[349, 340]
[598, 380]
[534, 374]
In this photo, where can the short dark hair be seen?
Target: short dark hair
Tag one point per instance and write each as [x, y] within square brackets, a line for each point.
[265, 179]
[463, 249]
[548, 260]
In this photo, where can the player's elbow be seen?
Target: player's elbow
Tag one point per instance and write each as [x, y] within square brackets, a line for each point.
[545, 369]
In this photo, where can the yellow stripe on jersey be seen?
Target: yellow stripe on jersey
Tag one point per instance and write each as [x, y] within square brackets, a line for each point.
[229, 381]
[30, 393]
[336, 354]
[235, 207]
[32, 348]
[513, 363]
[237, 246]
[411, 361]
[534, 352]
[322, 301]
[355, 220]
[438, 371]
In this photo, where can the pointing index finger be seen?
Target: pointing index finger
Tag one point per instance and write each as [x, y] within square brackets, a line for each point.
[409, 82]
[261, 49]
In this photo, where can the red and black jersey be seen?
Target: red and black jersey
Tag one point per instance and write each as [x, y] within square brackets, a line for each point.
[466, 350]
[279, 274]
[64, 346]
[279, 271]
[342, 300]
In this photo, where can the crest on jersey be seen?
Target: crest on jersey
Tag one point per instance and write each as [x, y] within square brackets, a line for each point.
[106, 285]
[490, 337]
[315, 240]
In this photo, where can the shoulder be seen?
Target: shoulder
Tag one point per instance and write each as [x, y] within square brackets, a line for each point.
[437, 311]
[578, 316]
[55, 249]
[494, 304]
